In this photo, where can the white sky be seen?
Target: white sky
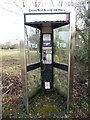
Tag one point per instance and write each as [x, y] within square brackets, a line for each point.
[11, 25]
[8, 26]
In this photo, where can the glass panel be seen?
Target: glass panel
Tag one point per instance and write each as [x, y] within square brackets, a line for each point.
[34, 81]
[61, 55]
[60, 81]
[61, 44]
[32, 41]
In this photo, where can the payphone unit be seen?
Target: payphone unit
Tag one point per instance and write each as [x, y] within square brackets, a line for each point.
[46, 57]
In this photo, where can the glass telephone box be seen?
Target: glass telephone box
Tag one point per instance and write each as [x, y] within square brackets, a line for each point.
[47, 52]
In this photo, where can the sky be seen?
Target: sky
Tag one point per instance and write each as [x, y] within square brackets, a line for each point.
[11, 24]
[8, 26]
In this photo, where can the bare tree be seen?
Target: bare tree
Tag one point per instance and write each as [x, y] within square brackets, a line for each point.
[12, 6]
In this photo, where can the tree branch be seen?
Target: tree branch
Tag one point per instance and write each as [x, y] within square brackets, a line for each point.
[17, 5]
[8, 10]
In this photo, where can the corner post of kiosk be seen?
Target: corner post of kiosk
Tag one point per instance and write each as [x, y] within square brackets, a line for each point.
[71, 60]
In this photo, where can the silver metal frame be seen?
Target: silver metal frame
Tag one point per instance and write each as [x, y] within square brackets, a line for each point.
[24, 74]
[71, 59]
[70, 64]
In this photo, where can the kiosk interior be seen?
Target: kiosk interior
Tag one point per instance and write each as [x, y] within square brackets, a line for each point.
[47, 52]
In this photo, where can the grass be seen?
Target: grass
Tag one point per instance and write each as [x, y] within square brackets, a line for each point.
[10, 52]
[41, 105]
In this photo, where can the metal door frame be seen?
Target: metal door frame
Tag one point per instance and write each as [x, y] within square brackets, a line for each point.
[26, 68]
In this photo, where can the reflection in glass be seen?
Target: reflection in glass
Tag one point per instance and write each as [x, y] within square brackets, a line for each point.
[61, 44]
[60, 81]
[32, 50]
[61, 56]
[33, 81]
[32, 41]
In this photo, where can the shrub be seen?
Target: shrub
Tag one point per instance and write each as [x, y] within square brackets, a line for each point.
[82, 54]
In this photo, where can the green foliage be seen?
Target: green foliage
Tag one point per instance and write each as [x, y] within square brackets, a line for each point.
[75, 106]
[85, 105]
[82, 54]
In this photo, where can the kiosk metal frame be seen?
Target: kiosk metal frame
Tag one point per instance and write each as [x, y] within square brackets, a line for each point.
[38, 24]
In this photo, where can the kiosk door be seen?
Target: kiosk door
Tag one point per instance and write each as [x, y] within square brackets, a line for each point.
[61, 58]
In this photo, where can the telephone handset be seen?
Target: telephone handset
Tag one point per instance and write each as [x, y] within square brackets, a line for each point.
[43, 59]
[44, 55]
[47, 55]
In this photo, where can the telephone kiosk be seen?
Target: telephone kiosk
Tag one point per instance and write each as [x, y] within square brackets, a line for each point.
[46, 20]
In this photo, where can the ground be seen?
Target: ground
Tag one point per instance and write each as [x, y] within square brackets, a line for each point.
[42, 105]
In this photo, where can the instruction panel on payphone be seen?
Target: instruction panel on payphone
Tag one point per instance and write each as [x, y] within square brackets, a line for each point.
[47, 49]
